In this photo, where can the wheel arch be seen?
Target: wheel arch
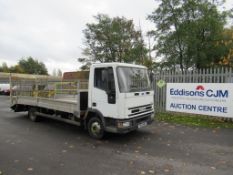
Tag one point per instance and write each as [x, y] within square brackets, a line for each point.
[91, 113]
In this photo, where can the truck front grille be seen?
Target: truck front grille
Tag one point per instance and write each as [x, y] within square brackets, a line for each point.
[139, 110]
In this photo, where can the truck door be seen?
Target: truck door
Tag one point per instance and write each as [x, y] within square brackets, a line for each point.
[104, 92]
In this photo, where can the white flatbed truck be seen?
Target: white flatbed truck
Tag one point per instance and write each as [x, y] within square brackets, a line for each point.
[117, 97]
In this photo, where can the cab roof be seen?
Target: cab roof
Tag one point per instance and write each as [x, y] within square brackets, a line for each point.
[115, 64]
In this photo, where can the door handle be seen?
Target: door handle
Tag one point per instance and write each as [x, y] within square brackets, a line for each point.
[94, 104]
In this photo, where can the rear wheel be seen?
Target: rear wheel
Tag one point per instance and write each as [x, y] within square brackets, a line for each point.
[32, 115]
[95, 128]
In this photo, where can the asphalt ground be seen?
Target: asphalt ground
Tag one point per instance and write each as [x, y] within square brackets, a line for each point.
[51, 147]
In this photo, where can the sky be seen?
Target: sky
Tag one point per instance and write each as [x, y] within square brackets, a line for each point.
[51, 30]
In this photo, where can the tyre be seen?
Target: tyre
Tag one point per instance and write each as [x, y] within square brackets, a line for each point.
[32, 115]
[95, 128]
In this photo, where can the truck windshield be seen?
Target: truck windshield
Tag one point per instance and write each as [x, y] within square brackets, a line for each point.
[133, 79]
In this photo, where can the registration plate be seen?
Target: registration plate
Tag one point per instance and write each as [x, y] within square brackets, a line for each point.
[142, 124]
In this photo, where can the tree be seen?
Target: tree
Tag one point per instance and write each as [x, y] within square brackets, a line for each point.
[187, 32]
[113, 40]
[16, 69]
[227, 59]
[57, 72]
[4, 68]
[32, 66]
[26, 65]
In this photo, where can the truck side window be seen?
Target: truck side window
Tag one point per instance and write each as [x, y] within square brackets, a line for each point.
[101, 78]
[104, 79]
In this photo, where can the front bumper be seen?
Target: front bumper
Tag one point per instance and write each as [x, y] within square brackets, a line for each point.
[127, 125]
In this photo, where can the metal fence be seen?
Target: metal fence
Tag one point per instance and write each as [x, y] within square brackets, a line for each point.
[210, 75]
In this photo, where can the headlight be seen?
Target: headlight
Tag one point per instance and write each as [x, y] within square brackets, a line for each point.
[121, 124]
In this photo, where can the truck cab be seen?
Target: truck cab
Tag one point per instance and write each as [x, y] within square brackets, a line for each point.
[120, 98]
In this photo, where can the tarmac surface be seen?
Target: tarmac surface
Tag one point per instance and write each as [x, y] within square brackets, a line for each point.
[51, 147]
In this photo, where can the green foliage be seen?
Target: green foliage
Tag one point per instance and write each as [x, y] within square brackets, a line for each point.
[4, 68]
[26, 65]
[227, 60]
[32, 66]
[188, 31]
[16, 69]
[194, 120]
[113, 40]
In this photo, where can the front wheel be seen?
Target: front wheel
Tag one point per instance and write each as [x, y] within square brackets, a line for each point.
[95, 128]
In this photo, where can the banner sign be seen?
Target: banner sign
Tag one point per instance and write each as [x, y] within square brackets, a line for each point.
[215, 99]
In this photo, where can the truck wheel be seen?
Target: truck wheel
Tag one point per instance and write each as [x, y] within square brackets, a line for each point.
[95, 128]
[32, 116]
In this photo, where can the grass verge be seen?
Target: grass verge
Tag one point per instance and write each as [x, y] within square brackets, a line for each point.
[194, 120]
